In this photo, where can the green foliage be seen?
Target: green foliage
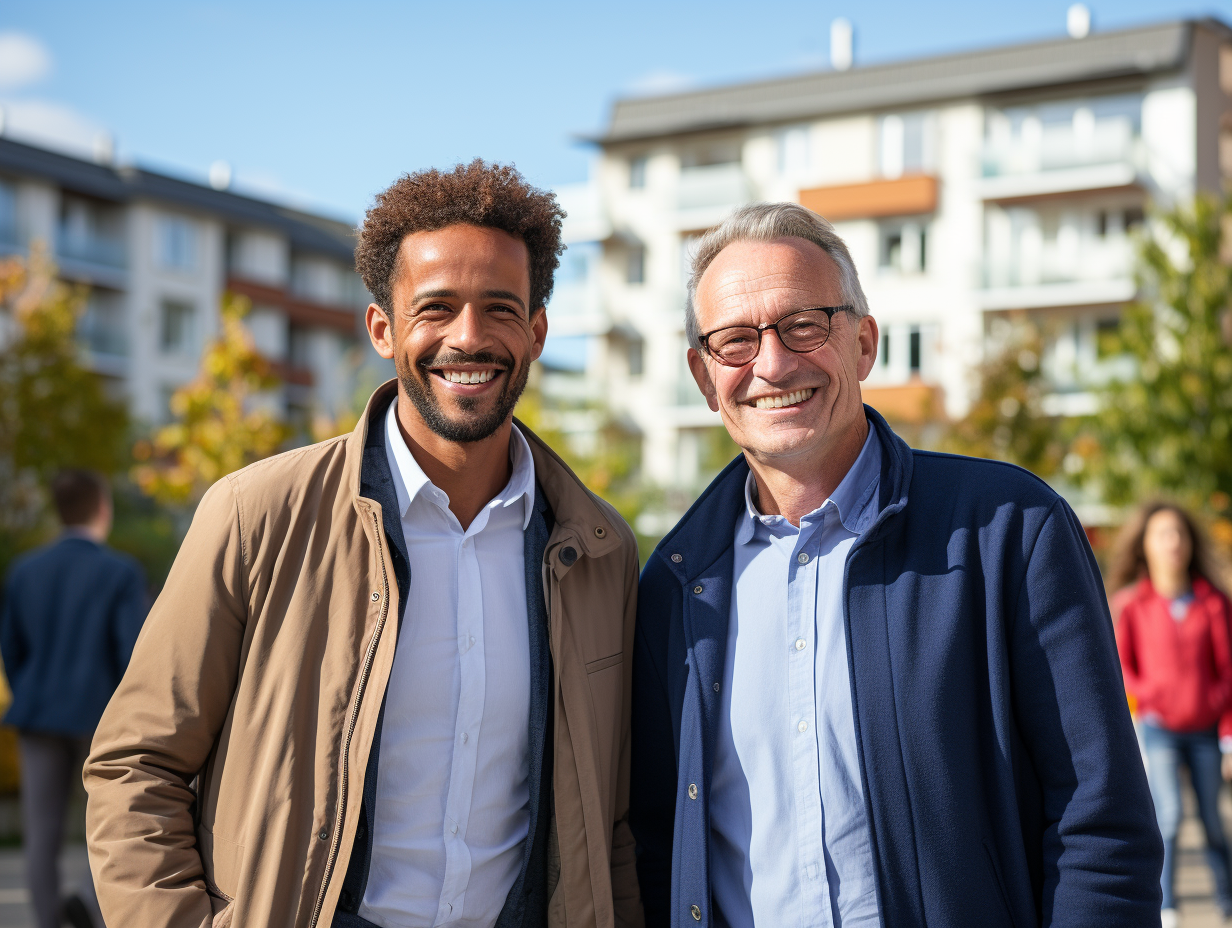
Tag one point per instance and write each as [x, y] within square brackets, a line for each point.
[1008, 422]
[1168, 430]
[54, 412]
[219, 426]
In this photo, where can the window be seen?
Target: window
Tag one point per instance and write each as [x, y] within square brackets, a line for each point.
[904, 144]
[914, 349]
[904, 247]
[103, 324]
[176, 243]
[793, 151]
[885, 347]
[637, 172]
[1134, 217]
[710, 154]
[635, 269]
[636, 357]
[178, 327]
[8, 213]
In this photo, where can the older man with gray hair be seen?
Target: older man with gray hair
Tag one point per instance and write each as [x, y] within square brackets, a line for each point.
[871, 685]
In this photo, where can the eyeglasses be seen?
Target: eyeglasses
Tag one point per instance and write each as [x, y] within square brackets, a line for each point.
[802, 331]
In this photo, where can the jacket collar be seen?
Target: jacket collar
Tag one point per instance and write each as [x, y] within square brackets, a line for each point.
[704, 533]
[574, 507]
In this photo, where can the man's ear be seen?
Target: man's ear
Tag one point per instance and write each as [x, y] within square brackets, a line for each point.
[697, 365]
[869, 337]
[539, 331]
[380, 330]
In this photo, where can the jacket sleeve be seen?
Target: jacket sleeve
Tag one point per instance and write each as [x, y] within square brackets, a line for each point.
[652, 811]
[12, 640]
[1223, 660]
[626, 898]
[1101, 850]
[127, 617]
[1127, 646]
[160, 726]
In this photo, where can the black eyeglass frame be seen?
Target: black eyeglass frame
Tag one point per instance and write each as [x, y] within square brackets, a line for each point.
[765, 327]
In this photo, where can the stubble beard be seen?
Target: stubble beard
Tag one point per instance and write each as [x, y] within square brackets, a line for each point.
[477, 425]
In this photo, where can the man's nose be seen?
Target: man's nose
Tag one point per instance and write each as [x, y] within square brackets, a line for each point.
[773, 361]
[467, 332]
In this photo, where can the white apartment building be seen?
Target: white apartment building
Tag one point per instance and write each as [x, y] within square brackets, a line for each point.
[968, 187]
[158, 253]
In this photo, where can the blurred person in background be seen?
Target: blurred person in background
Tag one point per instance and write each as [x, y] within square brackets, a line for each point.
[394, 663]
[71, 614]
[1174, 634]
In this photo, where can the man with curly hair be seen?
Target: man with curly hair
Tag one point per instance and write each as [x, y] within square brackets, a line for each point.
[387, 681]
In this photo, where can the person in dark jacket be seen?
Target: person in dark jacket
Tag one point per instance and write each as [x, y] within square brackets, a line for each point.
[70, 618]
[872, 686]
[1174, 634]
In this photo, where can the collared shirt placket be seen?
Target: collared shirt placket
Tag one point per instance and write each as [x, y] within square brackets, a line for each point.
[471, 662]
[801, 645]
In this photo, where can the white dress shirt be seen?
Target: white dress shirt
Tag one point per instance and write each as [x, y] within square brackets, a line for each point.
[790, 843]
[453, 793]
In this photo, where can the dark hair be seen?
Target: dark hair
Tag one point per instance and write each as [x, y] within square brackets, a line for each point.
[479, 194]
[79, 495]
[1129, 556]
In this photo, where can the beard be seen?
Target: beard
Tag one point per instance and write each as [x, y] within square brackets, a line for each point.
[475, 424]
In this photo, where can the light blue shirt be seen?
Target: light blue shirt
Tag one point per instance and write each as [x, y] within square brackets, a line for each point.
[790, 840]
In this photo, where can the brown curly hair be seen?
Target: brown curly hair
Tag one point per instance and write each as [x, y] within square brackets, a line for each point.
[480, 194]
[1129, 554]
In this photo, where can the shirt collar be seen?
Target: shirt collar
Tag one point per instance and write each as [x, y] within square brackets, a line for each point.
[410, 480]
[852, 498]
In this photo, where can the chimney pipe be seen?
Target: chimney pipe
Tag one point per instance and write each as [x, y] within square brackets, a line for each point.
[841, 44]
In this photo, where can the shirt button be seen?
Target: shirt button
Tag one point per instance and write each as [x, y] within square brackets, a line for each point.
[676, 558]
[717, 687]
[801, 644]
[696, 913]
[802, 727]
[465, 737]
[802, 558]
[692, 790]
[453, 829]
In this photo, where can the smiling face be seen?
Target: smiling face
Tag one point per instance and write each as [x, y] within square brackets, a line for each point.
[783, 405]
[463, 334]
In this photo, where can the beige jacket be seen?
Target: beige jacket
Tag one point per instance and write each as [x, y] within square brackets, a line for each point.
[259, 675]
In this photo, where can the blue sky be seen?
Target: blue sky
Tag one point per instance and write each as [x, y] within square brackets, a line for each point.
[325, 104]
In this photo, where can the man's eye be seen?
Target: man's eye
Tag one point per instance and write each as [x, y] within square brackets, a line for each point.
[505, 309]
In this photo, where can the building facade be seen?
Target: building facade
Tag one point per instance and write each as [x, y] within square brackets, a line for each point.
[158, 253]
[971, 188]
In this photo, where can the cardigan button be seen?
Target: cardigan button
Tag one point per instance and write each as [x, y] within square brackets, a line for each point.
[692, 790]
[698, 589]
[676, 558]
[696, 913]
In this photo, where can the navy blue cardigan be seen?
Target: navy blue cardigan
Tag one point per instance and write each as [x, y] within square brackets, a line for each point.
[1001, 775]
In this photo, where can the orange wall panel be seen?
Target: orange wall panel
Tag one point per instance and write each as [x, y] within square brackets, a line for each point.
[904, 196]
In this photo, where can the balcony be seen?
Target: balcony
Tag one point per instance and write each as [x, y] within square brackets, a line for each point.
[706, 194]
[914, 194]
[1053, 161]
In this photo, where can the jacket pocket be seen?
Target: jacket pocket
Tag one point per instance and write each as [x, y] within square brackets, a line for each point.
[604, 663]
[221, 860]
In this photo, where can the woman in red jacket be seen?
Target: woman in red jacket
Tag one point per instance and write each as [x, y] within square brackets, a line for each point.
[1174, 634]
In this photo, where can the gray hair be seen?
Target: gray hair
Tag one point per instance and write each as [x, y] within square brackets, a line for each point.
[764, 222]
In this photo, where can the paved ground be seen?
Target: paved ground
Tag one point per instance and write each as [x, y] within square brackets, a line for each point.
[1194, 885]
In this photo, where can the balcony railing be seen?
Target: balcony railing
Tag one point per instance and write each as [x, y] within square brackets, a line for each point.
[93, 249]
[1053, 262]
[1111, 143]
[718, 185]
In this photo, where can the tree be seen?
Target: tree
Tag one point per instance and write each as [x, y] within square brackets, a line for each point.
[1008, 421]
[220, 424]
[54, 411]
[1168, 430]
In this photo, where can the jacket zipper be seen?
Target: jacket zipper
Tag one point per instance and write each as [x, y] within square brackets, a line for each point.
[369, 658]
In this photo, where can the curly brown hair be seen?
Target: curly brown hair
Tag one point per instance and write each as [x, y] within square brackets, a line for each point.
[1129, 557]
[480, 194]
